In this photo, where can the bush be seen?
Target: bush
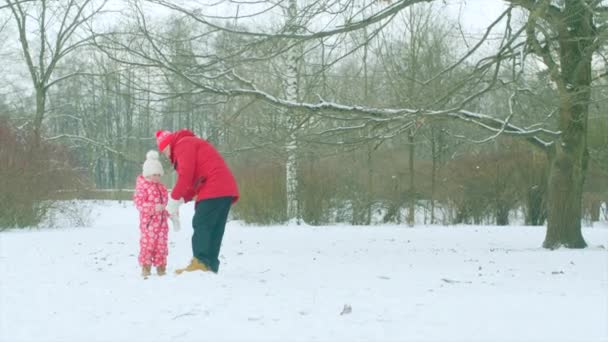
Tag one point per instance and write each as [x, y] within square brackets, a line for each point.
[482, 187]
[30, 177]
[262, 193]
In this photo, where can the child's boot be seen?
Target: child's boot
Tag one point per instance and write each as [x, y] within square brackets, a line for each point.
[161, 270]
[145, 270]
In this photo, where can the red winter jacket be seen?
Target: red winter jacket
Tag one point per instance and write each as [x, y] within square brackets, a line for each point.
[201, 170]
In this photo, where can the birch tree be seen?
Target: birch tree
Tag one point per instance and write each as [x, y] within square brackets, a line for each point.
[291, 94]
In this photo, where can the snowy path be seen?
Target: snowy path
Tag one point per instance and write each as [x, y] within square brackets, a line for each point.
[291, 284]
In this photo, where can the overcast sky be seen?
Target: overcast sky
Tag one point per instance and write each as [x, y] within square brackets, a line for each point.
[475, 16]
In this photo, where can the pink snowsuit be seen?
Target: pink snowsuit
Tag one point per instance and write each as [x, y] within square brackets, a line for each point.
[153, 225]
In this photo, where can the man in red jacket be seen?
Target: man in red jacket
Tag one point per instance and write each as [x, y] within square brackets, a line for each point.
[202, 176]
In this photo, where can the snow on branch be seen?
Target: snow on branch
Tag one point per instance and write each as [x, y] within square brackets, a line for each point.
[386, 115]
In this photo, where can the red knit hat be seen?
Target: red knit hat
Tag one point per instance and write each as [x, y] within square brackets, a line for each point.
[163, 138]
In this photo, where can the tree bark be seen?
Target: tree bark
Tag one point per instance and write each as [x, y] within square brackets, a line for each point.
[433, 173]
[568, 156]
[565, 188]
[291, 146]
[370, 185]
[411, 219]
[40, 109]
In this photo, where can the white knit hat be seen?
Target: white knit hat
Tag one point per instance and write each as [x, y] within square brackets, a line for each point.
[152, 165]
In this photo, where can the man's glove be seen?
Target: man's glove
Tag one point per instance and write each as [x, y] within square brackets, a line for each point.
[173, 206]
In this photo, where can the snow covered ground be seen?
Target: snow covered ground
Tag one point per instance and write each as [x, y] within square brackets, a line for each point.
[293, 283]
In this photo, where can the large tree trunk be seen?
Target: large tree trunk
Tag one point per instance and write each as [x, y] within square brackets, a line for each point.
[566, 176]
[568, 156]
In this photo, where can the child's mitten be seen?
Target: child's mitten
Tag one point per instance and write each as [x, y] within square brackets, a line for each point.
[175, 223]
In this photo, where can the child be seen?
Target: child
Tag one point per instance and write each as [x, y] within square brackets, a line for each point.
[150, 199]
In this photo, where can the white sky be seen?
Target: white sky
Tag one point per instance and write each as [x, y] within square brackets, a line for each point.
[476, 15]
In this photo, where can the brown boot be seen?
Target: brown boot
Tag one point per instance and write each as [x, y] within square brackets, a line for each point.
[161, 270]
[195, 265]
[145, 270]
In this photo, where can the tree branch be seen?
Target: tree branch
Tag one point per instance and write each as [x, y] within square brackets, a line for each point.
[348, 27]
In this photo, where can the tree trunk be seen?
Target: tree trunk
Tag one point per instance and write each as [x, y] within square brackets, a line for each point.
[568, 156]
[411, 219]
[291, 94]
[566, 175]
[433, 174]
[370, 185]
[370, 149]
[291, 181]
[535, 206]
[502, 214]
[40, 108]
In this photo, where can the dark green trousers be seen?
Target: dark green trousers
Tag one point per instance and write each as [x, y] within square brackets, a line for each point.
[209, 222]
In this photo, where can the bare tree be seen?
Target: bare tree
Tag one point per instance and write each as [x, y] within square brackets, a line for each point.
[566, 35]
[58, 33]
